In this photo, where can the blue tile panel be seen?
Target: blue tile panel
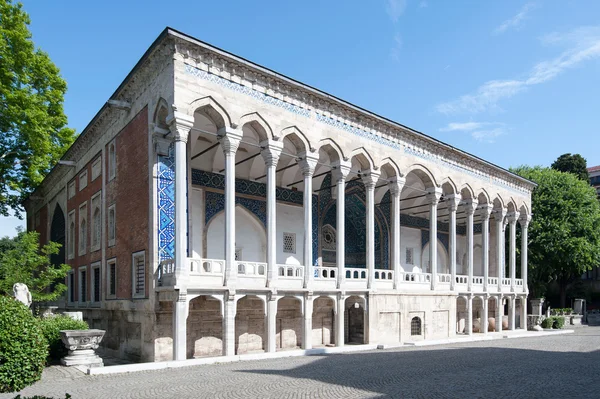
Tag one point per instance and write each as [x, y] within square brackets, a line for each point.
[166, 205]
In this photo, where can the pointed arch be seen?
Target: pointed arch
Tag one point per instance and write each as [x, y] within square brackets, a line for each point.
[390, 168]
[423, 173]
[449, 187]
[498, 202]
[363, 157]
[512, 205]
[211, 109]
[161, 112]
[524, 209]
[259, 124]
[483, 197]
[297, 138]
[333, 149]
[467, 192]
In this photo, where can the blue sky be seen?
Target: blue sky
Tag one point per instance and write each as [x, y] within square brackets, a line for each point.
[513, 82]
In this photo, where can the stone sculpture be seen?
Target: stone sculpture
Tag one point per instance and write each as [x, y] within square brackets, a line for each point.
[22, 294]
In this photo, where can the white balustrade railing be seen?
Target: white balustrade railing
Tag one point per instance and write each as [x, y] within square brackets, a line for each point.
[323, 272]
[207, 266]
[444, 278]
[519, 282]
[253, 269]
[356, 273]
[384, 275]
[290, 271]
[477, 280]
[460, 279]
[415, 277]
[506, 281]
[165, 268]
[493, 281]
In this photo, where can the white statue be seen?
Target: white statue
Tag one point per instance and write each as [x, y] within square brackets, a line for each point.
[22, 294]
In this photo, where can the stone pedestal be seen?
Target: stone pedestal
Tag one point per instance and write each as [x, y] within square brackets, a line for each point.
[536, 306]
[74, 315]
[578, 306]
[81, 345]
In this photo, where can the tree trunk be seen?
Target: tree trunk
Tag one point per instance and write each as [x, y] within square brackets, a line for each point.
[563, 293]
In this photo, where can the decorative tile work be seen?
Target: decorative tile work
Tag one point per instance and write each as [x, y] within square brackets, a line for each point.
[247, 90]
[214, 180]
[335, 122]
[166, 206]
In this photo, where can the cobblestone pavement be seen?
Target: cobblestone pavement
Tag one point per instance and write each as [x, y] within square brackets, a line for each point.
[562, 365]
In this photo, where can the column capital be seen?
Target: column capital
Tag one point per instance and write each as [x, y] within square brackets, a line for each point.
[485, 210]
[512, 218]
[180, 125]
[524, 220]
[499, 214]
[308, 162]
[341, 170]
[270, 151]
[470, 205]
[230, 139]
[433, 195]
[453, 200]
[396, 184]
[370, 178]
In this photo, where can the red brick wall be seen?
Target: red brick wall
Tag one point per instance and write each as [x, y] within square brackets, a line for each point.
[129, 191]
[42, 228]
[80, 197]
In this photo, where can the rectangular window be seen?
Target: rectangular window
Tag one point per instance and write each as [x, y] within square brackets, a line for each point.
[82, 284]
[289, 243]
[71, 189]
[138, 262]
[112, 160]
[111, 278]
[112, 228]
[96, 168]
[96, 282]
[71, 283]
[96, 231]
[410, 256]
[71, 229]
[83, 180]
[83, 230]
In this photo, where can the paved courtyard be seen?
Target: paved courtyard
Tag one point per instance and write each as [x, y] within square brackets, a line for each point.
[561, 365]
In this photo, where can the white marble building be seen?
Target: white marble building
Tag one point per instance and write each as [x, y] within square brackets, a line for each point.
[238, 258]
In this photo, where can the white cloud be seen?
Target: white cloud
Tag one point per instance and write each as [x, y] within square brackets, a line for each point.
[516, 20]
[486, 132]
[584, 45]
[395, 9]
[395, 51]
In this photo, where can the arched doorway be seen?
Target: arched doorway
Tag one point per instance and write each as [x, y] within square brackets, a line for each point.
[355, 316]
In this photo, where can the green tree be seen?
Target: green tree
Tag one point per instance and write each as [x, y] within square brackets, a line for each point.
[575, 164]
[33, 135]
[564, 234]
[27, 263]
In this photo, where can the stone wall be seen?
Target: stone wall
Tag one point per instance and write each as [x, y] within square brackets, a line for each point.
[322, 322]
[204, 328]
[289, 324]
[250, 326]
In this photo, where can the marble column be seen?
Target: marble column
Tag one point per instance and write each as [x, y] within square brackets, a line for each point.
[307, 332]
[483, 325]
[370, 179]
[340, 172]
[271, 322]
[180, 125]
[308, 163]
[524, 222]
[470, 206]
[512, 220]
[485, 211]
[499, 313]
[271, 150]
[229, 311]
[511, 312]
[339, 329]
[395, 186]
[230, 141]
[523, 299]
[470, 314]
[453, 201]
[433, 197]
[499, 220]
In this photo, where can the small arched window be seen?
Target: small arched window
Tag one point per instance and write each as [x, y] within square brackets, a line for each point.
[71, 237]
[112, 161]
[82, 236]
[415, 326]
[97, 234]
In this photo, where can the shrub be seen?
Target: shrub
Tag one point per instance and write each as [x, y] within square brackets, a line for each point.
[51, 327]
[23, 349]
[558, 322]
[548, 322]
